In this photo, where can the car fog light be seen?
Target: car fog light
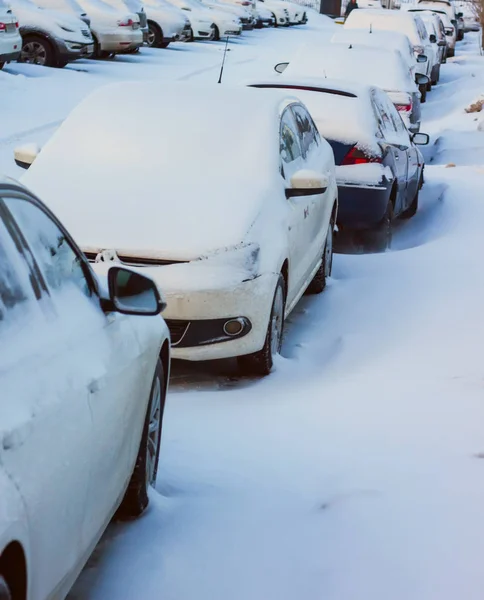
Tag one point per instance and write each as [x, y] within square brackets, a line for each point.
[234, 326]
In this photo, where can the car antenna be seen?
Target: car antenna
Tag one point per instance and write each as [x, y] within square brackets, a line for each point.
[371, 29]
[223, 61]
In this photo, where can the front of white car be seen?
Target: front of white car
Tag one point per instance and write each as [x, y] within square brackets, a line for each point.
[166, 23]
[10, 39]
[279, 10]
[200, 17]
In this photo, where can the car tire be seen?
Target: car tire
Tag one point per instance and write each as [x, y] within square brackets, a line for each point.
[136, 499]
[318, 283]
[216, 33]
[423, 93]
[2, 64]
[275, 20]
[60, 64]
[261, 363]
[379, 239]
[5, 593]
[37, 50]
[412, 209]
[191, 38]
[450, 52]
[155, 35]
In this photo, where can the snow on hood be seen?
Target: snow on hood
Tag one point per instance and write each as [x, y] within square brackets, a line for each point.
[170, 169]
[358, 63]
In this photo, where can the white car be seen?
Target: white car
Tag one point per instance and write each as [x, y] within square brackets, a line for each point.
[263, 16]
[436, 30]
[238, 12]
[404, 22]
[136, 7]
[51, 38]
[361, 64]
[279, 11]
[390, 40]
[379, 170]
[250, 231]
[114, 30]
[83, 391]
[247, 18]
[10, 40]
[222, 23]
[447, 13]
[166, 24]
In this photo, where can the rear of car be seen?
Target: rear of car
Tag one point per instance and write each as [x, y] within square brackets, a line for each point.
[10, 40]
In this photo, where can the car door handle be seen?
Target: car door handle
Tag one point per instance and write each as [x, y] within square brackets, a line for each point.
[397, 157]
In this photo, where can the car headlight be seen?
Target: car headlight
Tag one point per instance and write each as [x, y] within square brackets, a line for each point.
[243, 258]
[64, 28]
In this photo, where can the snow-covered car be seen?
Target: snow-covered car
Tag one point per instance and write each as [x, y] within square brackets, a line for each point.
[279, 11]
[10, 40]
[379, 170]
[231, 271]
[469, 15]
[71, 7]
[404, 22]
[202, 19]
[263, 16]
[136, 7]
[385, 69]
[247, 17]
[436, 31]
[83, 391]
[51, 38]
[115, 31]
[448, 7]
[166, 23]
[237, 12]
[450, 25]
[390, 40]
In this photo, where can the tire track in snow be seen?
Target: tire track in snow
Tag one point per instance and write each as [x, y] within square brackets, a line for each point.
[15, 137]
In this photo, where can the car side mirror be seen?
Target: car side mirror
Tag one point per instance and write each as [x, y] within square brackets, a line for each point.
[421, 79]
[421, 58]
[131, 293]
[26, 154]
[307, 183]
[433, 38]
[280, 67]
[420, 139]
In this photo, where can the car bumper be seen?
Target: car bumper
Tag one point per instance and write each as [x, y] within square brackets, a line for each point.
[362, 207]
[120, 41]
[231, 30]
[184, 35]
[196, 318]
[70, 51]
[10, 56]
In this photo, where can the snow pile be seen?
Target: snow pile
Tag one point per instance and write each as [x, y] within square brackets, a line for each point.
[364, 174]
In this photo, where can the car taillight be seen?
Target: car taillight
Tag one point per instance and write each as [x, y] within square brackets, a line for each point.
[126, 23]
[357, 157]
[3, 27]
[418, 49]
[404, 107]
[16, 24]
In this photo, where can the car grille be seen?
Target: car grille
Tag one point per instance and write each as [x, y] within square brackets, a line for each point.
[135, 261]
[143, 21]
[86, 33]
[177, 330]
[10, 28]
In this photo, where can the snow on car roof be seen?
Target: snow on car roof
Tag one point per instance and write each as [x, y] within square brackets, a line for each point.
[380, 38]
[363, 64]
[376, 18]
[341, 110]
[162, 167]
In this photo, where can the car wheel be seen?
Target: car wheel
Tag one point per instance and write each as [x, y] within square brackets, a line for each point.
[429, 86]
[275, 20]
[135, 499]
[2, 64]
[37, 50]
[318, 282]
[423, 93]
[5, 593]
[216, 33]
[450, 52]
[61, 64]
[412, 209]
[155, 35]
[192, 36]
[165, 44]
[379, 239]
[261, 363]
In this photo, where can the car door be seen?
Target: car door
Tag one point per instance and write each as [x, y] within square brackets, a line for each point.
[414, 160]
[47, 427]
[319, 158]
[298, 223]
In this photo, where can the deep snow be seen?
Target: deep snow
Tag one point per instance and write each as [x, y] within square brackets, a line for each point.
[353, 472]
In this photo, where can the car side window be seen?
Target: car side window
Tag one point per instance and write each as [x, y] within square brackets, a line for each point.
[386, 123]
[289, 145]
[15, 277]
[59, 263]
[308, 132]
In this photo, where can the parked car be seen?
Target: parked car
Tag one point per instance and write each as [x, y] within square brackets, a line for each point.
[264, 17]
[230, 271]
[115, 31]
[389, 40]
[247, 16]
[449, 21]
[279, 11]
[10, 40]
[379, 170]
[71, 7]
[436, 31]
[136, 7]
[469, 15]
[83, 392]
[362, 64]
[51, 38]
[221, 23]
[236, 12]
[166, 24]
[409, 24]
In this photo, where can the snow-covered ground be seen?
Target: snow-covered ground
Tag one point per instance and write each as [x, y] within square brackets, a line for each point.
[354, 471]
